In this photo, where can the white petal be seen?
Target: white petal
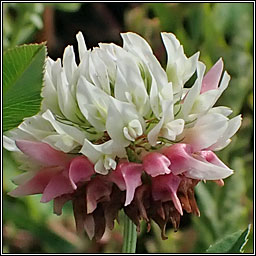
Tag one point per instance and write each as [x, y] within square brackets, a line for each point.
[167, 108]
[127, 135]
[223, 86]
[172, 46]
[129, 80]
[133, 130]
[48, 64]
[207, 171]
[167, 116]
[154, 132]
[194, 91]
[226, 111]
[154, 99]
[13, 135]
[50, 97]
[107, 55]
[42, 128]
[102, 154]
[61, 142]
[82, 49]
[114, 149]
[136, 126]
[83, 66]
[166, 92]
[93, 103]
[121, 87]
[96, 116]
[37, 126]
[222, 145]
[9, 144]
[179, 67]
[206, 131]
[173, 128]
[69, 63]
[92, 151]
[115, 125]
[49, 89]
[54, 71]
[205, 101]
[104, 164]
[134, 42]
[109, 163]
[139, 47]
[66, 100]
[114, 51]
[75, 133]
[100, 168]
[190, 67]
[233, 126]
[156, 70]
[98, 72]
[120, 114]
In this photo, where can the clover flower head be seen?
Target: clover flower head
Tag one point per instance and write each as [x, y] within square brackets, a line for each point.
[118, 131]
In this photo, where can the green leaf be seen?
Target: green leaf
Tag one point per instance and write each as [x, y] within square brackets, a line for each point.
[23, 68]
[229, 202]
[66, 7]
[208, 207]
[232, 243]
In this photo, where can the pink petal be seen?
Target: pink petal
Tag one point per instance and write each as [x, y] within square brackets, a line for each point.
[58, 186]
[116, 177]
[142, 197]
[89, 225]
[194, 165]
[112, 207]
[97, 190]
[79, 209]
[37, 184]
[210, 157]
[59, 202]
[156, 164]
[212, 78]
[179, 155]
[80, 169]
[164, 188]
[131, 173]
[43, 153]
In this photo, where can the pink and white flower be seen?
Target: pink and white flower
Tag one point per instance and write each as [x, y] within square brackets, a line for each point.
[59, 173]
[118, 131]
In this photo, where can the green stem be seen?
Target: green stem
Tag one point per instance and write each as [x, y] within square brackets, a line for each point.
[130, 236]
[130, 233]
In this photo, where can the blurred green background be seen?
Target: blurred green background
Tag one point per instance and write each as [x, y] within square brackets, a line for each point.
[216, 30]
